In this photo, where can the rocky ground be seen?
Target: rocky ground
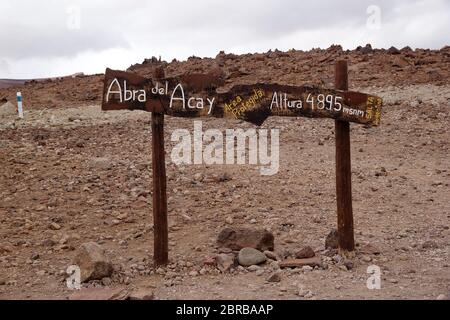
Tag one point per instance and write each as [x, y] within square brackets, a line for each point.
[72, 174]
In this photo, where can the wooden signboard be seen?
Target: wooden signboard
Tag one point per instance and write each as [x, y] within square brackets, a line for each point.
[199, 95]
[196, 95]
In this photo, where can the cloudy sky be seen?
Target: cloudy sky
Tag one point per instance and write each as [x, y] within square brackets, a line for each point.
[59, 37]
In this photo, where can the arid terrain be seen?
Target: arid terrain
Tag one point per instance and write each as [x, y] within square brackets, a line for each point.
[71, 173]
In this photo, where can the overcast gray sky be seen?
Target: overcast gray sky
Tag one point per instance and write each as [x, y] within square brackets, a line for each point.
[59, 37]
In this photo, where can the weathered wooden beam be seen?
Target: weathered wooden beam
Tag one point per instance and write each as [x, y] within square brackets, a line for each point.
[160, 227]
[343, 170]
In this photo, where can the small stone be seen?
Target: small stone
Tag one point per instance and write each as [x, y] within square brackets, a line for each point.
[254, 268]
[106, 281]
[48, 243]
[225, 176]
[193, 273]
[229, 220]
[274, 277]
[141, 294]
[298, 263]
[225, 261]
[225, 250]
[160, 271]
[69, 239]
[302, 292]
[210, 261]
[275, 265]
[307, 268]
[393, 281]
[349, 264]
[100, 163]
[250, 256]
[366, 259]
[305, 252]
[5, 249]
[415, 104]
[337, 258]
[430, 244]
[441, 297]
[198, 177]
[54, 226]
[369, 249]
[332, 240]
[259, 272]
[271, 255]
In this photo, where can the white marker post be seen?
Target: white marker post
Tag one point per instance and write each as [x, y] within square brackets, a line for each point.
[19, 105]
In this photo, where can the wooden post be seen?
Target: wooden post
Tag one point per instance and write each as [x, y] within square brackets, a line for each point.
[161, 250]
[343, 171]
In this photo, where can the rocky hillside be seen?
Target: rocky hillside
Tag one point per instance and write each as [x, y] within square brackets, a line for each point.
[367, 67]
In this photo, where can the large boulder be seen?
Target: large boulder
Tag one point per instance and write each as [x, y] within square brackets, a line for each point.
[236, 239]
[93, 263]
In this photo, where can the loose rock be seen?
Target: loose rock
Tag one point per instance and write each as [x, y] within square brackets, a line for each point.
[92, 261]
[250, 256]
[274, 277]
[54, 226]
[305, 252]
[332, 240]
[225, 261]
[236, 239]
[271, 255]
[298, 263]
